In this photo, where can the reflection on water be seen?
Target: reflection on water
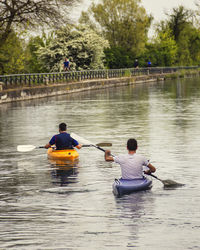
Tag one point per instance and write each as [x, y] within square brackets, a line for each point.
[64, 175]
[134, 205]
[44, 206]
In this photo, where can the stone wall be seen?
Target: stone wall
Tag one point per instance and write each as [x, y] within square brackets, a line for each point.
[27, 93]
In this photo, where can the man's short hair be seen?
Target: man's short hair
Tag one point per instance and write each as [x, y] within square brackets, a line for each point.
[132, 144]
[62, 126]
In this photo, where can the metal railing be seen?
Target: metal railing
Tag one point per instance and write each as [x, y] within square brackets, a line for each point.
[23, 80]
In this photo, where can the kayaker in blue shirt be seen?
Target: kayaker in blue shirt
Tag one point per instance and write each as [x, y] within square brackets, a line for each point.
[63, 140]
[131, 164]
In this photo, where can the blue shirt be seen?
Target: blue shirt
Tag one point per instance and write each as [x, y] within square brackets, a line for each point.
[63, 141]
[66, 64]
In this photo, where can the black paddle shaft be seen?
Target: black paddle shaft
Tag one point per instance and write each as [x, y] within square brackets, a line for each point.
[156, 177]
[92, 145]
[99, 148]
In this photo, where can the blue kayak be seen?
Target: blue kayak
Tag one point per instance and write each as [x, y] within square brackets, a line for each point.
[123, 186]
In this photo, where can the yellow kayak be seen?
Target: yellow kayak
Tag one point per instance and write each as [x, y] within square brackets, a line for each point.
[65, 155]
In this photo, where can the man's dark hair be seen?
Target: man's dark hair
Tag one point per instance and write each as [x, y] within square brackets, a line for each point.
[132, 144]
[62, 126]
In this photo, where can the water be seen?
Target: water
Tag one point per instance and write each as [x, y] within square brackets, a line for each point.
[42, 207]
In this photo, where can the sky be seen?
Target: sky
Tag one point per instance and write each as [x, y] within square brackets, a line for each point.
[158, 7]
[155, 7]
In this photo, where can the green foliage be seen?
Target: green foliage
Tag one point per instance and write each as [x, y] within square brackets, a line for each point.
[118, 57]
[33, 63]
[181, 25]
[12, 55]
[194, 46]
[161, 52]
[189, 46]
[127, 73]
[83, 46]
[179, 20]
[111, 34]
[124, 23]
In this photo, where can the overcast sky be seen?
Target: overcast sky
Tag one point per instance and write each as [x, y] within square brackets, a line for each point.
[156, 7]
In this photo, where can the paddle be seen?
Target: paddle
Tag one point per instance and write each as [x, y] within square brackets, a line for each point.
[102, 144]
[89, 143]
[28, 148]
[168, 183]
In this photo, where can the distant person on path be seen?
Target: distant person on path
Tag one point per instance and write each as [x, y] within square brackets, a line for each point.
[132, 163]
[66, 64]
[63, 140]
[149, 63]
[136, 64]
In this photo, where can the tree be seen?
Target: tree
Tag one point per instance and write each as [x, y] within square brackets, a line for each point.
[118, 57]
[33, 63]
[189, 46]
[124, 23]
[24, 13]
[179, 19]
[167, 49]
[181, 24]
[194, 46]
[161, 50]
[83, 46]
[12, 55]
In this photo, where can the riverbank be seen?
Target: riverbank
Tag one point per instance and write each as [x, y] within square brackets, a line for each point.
[28, 93]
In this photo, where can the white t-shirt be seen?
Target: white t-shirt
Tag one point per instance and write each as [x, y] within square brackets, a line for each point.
[131, 165]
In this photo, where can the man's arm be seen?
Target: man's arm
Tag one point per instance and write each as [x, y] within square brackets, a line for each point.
[51, 142]
[108, 156]
[76, 144]
[152, 169]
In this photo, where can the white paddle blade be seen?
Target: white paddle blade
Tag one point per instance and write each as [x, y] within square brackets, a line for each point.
[80, 139]
[25, 148]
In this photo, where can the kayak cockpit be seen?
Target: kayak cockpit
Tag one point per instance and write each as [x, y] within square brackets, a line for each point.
[124, 186]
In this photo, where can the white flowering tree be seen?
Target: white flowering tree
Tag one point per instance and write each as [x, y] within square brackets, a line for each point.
[82, 45]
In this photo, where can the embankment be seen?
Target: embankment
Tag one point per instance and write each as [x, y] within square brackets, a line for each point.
[28, 93]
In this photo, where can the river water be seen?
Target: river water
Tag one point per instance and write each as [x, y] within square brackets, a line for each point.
[44, 207]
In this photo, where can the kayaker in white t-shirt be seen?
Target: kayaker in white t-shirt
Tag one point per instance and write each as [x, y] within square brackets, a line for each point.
[132, 163]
